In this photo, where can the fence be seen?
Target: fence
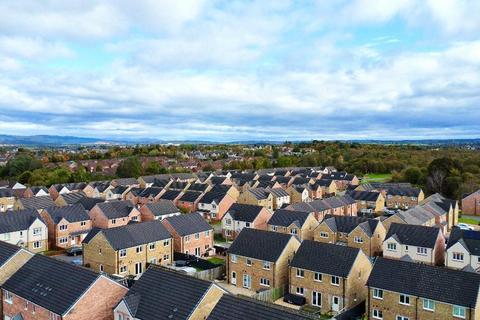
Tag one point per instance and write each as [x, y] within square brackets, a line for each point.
[270, 295]
[210, 274]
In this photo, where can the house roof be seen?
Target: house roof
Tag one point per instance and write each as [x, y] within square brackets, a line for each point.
[119, 189]
[189, 223]
[323, 182]
[425, 281]
[162, 207]
[235, 308]
[126, 181]
[116, 209]
[403, 191]
[150, 192]
[7, 251]
[212, 196]
[278, 192]
[244, 212]
[325, 258]
[470, 239]
[11, 221]
[6, 193]
[135, 234]
[414, 235]
[285, 218]
[170, 194]
[344, 224]
[88, 203]
[260, 244]
[198, 187]
[259, 193]
[50, 283]
[190, 196]
[165, 294]
[217, 180]
[73, 197]
[364, 195]
[72, 213]
[37, 203]
[177, 185]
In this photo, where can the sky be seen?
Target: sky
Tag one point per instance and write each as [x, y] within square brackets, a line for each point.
[240, 70]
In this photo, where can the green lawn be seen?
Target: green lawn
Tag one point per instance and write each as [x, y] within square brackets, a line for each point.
[216, 260]
[219, 238]
[468, 220]
[377, 177]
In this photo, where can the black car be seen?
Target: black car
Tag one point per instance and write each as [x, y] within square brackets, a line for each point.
[74, 251]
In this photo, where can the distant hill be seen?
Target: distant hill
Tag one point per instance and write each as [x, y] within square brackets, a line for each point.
[39, 140]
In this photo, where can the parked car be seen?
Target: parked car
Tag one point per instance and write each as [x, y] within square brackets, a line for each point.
[464, 226]
[74, 251]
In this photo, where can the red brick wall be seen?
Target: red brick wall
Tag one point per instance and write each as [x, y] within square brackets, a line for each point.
[471, 204]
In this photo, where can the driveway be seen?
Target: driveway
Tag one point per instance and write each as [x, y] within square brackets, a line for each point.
[77, 260]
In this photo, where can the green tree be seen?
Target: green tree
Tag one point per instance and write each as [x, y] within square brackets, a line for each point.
[130, 167]
[412, 175]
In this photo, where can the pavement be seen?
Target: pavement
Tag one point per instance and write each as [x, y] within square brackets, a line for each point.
[77, 260]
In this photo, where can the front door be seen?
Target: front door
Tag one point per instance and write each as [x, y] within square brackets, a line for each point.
[234, 278]
[138, 268]
[316, 299]
[335, 304]
[246, 281]
[197, 252]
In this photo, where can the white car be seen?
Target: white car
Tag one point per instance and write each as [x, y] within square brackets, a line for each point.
[464, 226]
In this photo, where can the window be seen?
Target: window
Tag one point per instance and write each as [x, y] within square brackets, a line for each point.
[406, 248]
[422, 251]
[187, 238]
[264, 282]
[405, 299]
[139, 249]
[402, 318]
[37, 245]
[63, 240]
[317, 276]
[197, 236]
[247, 224]
[166, 243]
[151, 246]
[228, 222]
[459, 312]
[100, 267]
[266, 265]
[166, 257]
[457, 256]
[233, 258]
[83, 223]
[391, 246]
[54, 316]
[323, 235]
[100, 251]
[428, 304]
[8, 297]
[123, 269]
[378, 293]
[122, 253]
[153, 261]
[357, 239]
[300, 291]
[37, 231]
[26, 305]
[207, 233]
[293, 231]
[274, 228]
[34, 308]
[335, 281]
[316, 298]
[114, 221]
[300, 273]
[63, 227]
[377, 314]
[21, 233]
[248, 261]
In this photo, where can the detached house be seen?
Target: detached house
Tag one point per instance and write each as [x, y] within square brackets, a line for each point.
[24, 228]
[166, 294]
[328, 188]
[258, 260]
[241, 216]
[113, 214]
[128, 249]
[258, 197]
[189, 200]
[214, 204]
[403, 290]
[296, 223]
[368, 202]
[463, 250]
[67, 226]
[159, 210]
[46, 289]
[356, 232]
[403, 197]
[415, 243]
[298, 193]
[330, 277]
[117, 193]
[191, 234]
[281, 197]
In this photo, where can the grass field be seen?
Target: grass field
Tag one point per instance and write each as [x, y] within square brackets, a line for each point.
[216, 260]
[376, 177]
[468, 220]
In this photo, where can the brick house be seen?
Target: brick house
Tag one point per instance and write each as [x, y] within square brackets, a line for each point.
[257, 196]
[12, 258]
[463, 250]
[445, 210]
[241, 216]
[67, 226]
[66, 199]
[403, 197]
[172, 195]
[342, 179]
[356, 232]
[24, 228]
[127, 250]
[117, 193]
[368, 202]
[7, 200]
[415, 243]
[280, 196]
[299, 193]
[405, 290]
[330, 277]
[35, 191]
[45, 288]
[158, 210]
[328, 188]
[165, 294]
[416, 216]
[191, 234]
[263, 265]
[148, 195]
[296, 223]
[339, 206]
[113, 214]
[37, 203]
[189, 200]
[214, 204]
[471, 203]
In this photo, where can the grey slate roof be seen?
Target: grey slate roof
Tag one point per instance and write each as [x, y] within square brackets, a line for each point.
[364, 195]
[150, 192]
[260, 244]
[259, 193]
[11, 221]
[119, 189]
[212, 196]
[425, 281]
[165, 294]
[50, 283]
[244, 212]
[135, 234]
[325, 258]
[189, 223]
[6, 193]
[403, 191]
[162, 207]
[344, 224]
[284, 218]
[198, 187]
[88, 203]
[235, 308]
[116, 209]
[37, 203]
[170, 194]
[126, 181]
[190, 196]
[420, 236]
[7, 251]
[72, 213]
[470, 239]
